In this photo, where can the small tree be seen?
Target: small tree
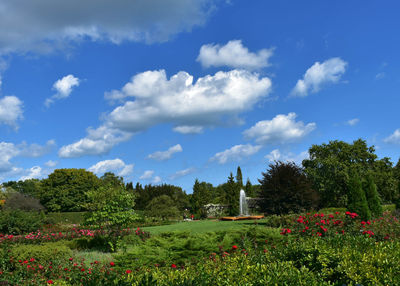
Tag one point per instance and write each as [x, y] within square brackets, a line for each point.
[357, 201]
[111, 207]
[162, 207]
[285, 188]
[373, 199]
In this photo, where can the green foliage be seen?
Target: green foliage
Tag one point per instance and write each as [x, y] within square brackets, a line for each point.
[42, 253]
[239, 177]
[67, 189]
[144, 195]
[357, 202]
[329, 167]
[373, 199]
[111, 207]
[231, 194]
[18, 201]
[66, 217]
[20, 222]
[201, 196]
[285, 188]
[384, 178]
[162, 207]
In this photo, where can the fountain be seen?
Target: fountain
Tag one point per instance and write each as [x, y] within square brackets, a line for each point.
[243, 208]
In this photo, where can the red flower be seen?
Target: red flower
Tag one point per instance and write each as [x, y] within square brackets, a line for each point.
[70, 259]
[128, 271]
[50, 282]
[112, 263]
[173, 266]
[234, 247]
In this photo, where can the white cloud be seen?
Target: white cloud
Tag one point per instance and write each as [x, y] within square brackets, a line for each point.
[210, 101]
[7, 152]
[147, 175]
[51, 163]
[182, 173]
[165, 155]
[394, 138]
[281, 129]
[33, 173]
[116, 165]
[10, 150]
[98, 141]
[35, 150]
[276, 155]
[63, 88]
[180, 101]
[156, 180]
[319, 74]
[235, 153]
[234, 55]
[184, 129]
[353, 121]
[49, 25]
[10, 110]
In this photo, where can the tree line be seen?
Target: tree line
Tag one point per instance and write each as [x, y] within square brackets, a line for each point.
[336, 174]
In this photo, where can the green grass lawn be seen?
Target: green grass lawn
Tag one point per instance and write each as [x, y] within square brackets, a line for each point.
[203, 226]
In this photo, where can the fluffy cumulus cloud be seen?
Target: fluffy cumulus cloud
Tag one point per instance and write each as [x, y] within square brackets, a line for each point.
[182, 173]
[148, 174]
[33, 173]
[10, 110]
[165, 155]
[276, 155]
[281, 129]
[235, 153]
[98, 141]
[234, 55]
[48, 25]
[190, 106]
[10, 150]
[318, 75]
[394, 138]
[63, 88]
[116, 166]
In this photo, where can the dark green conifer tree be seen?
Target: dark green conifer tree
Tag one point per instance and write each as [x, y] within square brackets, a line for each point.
[357, 201]
[373, 199]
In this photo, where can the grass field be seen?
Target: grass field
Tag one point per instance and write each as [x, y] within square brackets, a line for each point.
[203, 226]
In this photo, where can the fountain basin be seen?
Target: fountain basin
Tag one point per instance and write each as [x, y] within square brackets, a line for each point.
[254, 217]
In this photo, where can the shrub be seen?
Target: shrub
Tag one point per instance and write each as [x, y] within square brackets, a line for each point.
[373, 199]
[19, 222]
[357, 202]
[18, 201]
[42, 253]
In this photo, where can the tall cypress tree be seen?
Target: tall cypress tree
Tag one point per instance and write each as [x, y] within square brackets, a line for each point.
[357, 201]
[232, 191]
[373, 199]
[249, 189]
[239, 177]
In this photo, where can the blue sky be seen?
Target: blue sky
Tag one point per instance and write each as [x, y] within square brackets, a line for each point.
[170, 91]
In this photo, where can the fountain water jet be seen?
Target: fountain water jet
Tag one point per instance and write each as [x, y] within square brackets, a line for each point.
[243, 208]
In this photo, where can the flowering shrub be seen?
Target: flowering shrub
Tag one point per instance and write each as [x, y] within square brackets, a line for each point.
[39, 237]
[321, 225]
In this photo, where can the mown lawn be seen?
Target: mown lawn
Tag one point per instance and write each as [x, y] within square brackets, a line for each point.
[203, 226]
